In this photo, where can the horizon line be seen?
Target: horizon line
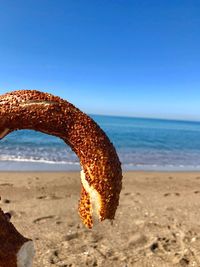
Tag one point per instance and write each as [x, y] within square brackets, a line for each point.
[145, 118]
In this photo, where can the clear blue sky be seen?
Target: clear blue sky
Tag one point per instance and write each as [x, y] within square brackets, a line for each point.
[136, 58]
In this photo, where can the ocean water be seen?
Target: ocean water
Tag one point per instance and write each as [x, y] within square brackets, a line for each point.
[142, 144]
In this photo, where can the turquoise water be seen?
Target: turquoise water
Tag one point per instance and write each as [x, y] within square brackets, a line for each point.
[142, 144]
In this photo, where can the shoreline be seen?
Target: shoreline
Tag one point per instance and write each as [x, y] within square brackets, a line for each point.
[123, 172]
[26, 166]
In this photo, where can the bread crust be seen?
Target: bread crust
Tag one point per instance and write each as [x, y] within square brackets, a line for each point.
[31, 109]
[11, 241]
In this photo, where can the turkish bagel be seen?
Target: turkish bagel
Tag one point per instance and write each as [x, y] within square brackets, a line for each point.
[101, 174]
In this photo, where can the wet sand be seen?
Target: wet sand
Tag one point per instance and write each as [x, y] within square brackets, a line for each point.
[157, 223]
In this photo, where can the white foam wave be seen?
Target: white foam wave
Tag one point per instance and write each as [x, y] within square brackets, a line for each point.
[17, 159]
[159, 167]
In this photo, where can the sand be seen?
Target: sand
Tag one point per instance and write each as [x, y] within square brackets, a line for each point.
[157, 222]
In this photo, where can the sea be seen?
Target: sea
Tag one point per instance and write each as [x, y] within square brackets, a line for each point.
[142, 144]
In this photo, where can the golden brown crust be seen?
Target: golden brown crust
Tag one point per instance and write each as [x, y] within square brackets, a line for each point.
[31, 109]
[85, 208]
[10, 242]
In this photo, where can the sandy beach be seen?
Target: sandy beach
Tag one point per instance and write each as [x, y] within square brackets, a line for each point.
[157, 223]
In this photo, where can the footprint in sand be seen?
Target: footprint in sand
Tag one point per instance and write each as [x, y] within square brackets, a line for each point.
[127, 193]
[184, 262]
[163, 244]
[168, 194]
[6, 184]
[170, 208]
[40, 219]
[53, 197]
[54, 257]
[6, 201]
[172, 246]
[137, 240]
[71, 236]
[59, 222]
[41, 197]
